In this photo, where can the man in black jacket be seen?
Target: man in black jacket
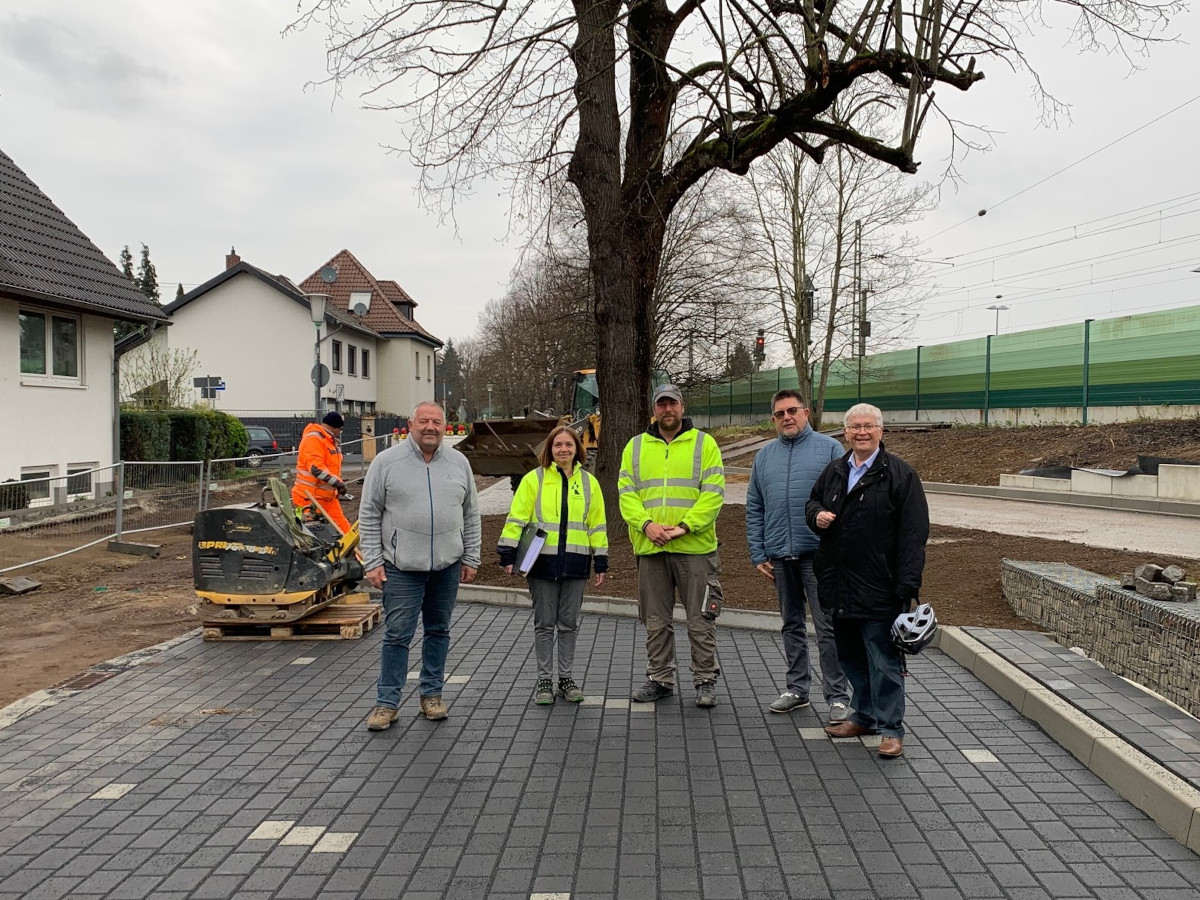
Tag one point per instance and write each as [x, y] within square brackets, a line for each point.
[869, 510]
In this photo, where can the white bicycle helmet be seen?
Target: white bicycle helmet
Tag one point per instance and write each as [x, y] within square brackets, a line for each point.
[912, 632]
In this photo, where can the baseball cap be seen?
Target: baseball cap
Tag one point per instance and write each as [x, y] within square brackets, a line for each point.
[667, 390]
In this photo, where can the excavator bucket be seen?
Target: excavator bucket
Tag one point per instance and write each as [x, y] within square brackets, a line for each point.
[506, 446]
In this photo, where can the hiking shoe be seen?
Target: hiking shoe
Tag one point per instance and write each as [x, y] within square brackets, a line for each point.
[433, 708]
[788, 701]
[570, 690]
[651, 692]
[838, 712]
[381, 718]
[706, 694]
[543, 694]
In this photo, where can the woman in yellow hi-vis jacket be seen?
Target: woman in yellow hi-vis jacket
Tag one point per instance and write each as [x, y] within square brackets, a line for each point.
[564, 500]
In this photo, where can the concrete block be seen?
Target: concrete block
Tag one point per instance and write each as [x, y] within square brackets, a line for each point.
[1017, 481]
[1179, 483]
[135, 549]
[1090, 482]
[1059, 485]
[1076, 732]
[1145, 486]
[1172, 574]
[1184, 591]
[1167, 799]
[1148, 571]
[1155, 590]
[1128, 581]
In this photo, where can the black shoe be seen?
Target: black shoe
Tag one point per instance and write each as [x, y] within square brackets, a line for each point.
[706, 694]
[650, 692]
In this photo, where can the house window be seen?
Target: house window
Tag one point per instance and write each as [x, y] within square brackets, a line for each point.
[351, 360]
[79, 481]
[366, 363]
[336, 356]
[428, 367]
[417, 357]
[38, 486]
[369, 406]
[49, 344]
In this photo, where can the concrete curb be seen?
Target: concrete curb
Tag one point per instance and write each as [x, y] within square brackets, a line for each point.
[1166, 798]
[616, 606]
[1067, 498]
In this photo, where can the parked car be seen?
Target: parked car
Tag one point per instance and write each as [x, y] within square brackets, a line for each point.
[262, 442]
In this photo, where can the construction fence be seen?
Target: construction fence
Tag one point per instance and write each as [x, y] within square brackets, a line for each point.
[45, 518]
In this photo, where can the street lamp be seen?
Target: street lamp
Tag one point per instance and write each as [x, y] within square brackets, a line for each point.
[998, 308]
[316, 303]
[490, 388]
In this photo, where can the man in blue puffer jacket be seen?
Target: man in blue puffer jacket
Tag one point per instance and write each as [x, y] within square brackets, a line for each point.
[782, 547]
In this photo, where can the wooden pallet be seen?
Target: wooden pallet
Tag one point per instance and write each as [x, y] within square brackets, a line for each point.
[336, 622]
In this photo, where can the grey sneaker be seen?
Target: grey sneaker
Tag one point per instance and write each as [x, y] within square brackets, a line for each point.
[788, 701]
[651, 692]
[381, 718]
[570, 690]
[543, 694]
[838, 712]
[706, 694]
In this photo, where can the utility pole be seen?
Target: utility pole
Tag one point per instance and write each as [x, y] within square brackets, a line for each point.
[858, 342]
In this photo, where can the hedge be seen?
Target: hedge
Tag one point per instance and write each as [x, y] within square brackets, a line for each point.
[181, 435]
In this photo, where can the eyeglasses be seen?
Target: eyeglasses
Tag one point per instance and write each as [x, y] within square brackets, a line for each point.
[861, 428]
[792, 411]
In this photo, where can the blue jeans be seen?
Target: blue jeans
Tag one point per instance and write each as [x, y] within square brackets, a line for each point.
[405, 594]
[875, 669]
[796, 586]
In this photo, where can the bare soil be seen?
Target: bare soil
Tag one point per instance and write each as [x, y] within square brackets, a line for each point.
[95, 605]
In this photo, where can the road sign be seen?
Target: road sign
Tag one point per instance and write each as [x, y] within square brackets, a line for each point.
[320, 375]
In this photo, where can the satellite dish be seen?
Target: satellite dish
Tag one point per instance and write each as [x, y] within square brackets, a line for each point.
[360, 309]
[329, 274]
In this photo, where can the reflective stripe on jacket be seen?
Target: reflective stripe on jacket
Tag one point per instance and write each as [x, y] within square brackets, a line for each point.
[681, 482]
[320, 451]
[538, 501]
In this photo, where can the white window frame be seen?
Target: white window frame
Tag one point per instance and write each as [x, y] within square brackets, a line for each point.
[335, 356]
[48, 377]
[74, 470]
[417, 358]
[352, 360]
[365, 359]
[40, 473]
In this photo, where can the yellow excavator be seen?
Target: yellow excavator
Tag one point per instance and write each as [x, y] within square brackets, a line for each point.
[499, 447]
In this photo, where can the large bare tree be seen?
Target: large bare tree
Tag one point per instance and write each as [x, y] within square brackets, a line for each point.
[640, 102]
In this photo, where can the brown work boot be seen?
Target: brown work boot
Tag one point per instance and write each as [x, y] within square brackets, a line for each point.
[381, 718]
[434, 709]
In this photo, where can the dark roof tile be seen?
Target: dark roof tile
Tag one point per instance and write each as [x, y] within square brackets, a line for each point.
[43, 254]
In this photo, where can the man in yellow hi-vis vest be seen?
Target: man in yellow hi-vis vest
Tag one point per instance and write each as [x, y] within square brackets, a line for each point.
[672, 487]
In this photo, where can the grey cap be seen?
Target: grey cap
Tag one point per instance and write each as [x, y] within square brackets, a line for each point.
[667, 390]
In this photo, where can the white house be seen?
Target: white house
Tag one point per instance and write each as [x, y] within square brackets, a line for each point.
[59, 298]
[254, 331]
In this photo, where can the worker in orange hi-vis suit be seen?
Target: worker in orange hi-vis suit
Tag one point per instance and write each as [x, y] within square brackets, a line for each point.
[319, 468]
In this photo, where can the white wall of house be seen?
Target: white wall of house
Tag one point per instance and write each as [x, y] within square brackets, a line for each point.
[404, 384]
[346, 369]
[65, 423]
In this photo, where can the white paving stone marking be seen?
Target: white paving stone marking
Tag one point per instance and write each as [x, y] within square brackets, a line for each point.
[616, 704]
[641, 707]
[112, 791]
[458, 679]
[335, 842]
[302, 836]
[871, 740]
[592, 701]
[979, 755]
[812, 734]
[303, 660]
[415, 673]
[271, 830]
[559, 896]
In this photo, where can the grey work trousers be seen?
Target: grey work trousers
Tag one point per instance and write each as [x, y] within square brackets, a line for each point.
[556, 606]
[796, 585]
[660, 575]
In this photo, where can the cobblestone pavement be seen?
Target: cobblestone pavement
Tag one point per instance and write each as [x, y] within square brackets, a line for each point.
[243, 770]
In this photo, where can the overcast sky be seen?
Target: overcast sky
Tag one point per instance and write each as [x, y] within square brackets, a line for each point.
[187, 126]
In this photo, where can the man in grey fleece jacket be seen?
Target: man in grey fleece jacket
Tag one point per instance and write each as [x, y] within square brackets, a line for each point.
[782, 547]
[420, 536]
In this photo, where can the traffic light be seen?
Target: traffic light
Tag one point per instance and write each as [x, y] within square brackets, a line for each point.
[760, 345]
